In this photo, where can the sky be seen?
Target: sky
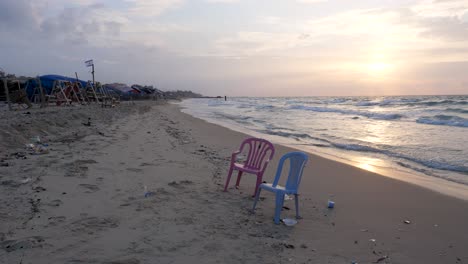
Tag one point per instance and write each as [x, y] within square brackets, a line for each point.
[245, 47]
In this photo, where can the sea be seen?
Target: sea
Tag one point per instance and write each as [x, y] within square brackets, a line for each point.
[414, 135]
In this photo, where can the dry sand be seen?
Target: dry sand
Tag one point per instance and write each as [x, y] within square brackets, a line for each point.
[84, 201]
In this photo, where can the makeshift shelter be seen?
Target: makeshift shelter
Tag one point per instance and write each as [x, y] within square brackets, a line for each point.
[47, 82]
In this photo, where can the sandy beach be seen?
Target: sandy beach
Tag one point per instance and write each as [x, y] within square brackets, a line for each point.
[84, 201]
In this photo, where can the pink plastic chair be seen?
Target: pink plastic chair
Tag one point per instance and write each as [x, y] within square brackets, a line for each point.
[260, 152]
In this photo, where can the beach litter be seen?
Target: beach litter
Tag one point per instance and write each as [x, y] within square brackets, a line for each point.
[87, 123]
[381, 259]
[36, 139]
[287, 197]
[37, 149]
[289, 221]
[289, 246]
[407, 222]
[24, 181]
[373, 240]
[331, 204]
[148, 193]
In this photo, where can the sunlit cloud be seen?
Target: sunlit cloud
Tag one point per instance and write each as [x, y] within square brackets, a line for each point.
[434, 8]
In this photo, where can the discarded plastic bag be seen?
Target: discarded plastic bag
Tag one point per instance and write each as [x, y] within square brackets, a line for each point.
[289, 221]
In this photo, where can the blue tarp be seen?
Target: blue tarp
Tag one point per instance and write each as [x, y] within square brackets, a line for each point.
[119, 88]
[47, 81]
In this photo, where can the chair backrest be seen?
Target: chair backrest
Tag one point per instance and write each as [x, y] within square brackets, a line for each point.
[297, 162]
[259, 149]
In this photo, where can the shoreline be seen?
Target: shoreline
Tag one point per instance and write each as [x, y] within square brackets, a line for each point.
[433, 183]
[86, 201]
[375, 207]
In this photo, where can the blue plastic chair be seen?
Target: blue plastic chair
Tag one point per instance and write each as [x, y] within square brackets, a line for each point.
[297, 162]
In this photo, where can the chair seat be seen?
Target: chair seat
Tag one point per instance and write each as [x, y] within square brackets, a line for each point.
[269, 187]
[243, 168]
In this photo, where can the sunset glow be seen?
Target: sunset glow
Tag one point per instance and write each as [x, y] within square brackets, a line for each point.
[239, 47]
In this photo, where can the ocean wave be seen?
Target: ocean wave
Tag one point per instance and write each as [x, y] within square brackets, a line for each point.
[457, 110]
[236, 118]
[265, 107]
[410, 102]
[336, 100]
[439, 165]
[433, 164]
[244, 106]
[443, 120]
[441, 102]
[288, 133]
[367, 103]
[347, 112]
[357, 147]
[296, 136]
[388, 102]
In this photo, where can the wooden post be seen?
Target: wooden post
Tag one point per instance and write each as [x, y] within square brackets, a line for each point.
[63, 93]
[41, 90]
[94, 83]
[24, 95]
[94, 92]
[5, 84]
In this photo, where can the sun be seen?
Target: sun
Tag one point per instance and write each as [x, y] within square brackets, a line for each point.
[378, 68]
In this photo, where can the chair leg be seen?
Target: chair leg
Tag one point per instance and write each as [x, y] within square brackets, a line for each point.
[256, 199]
[279, 206]
[228, 177]
[296, 200]
[259, 181]
[239, 176]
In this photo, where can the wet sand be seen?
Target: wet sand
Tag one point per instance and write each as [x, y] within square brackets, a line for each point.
[84, 201]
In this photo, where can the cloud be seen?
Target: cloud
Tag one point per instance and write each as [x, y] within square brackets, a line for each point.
[269, 20]
[441, 8]
[152, 8]
[222, 1]
[17, 14]
[255, 43]
[448, 28]
[81, 25]
[311, 1]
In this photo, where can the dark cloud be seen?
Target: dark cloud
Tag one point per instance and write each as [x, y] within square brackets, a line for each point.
[16, 14]
[77, 24]
[23, 20]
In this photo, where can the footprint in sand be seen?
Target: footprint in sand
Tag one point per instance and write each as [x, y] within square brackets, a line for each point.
[55, 220]
[91, 224]
[184, 221]
[25, 243]
[89, 188]
[134, 169]
[146, 164]
[82, 162]
[55, 203]
[180, 184]
[124, 261]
